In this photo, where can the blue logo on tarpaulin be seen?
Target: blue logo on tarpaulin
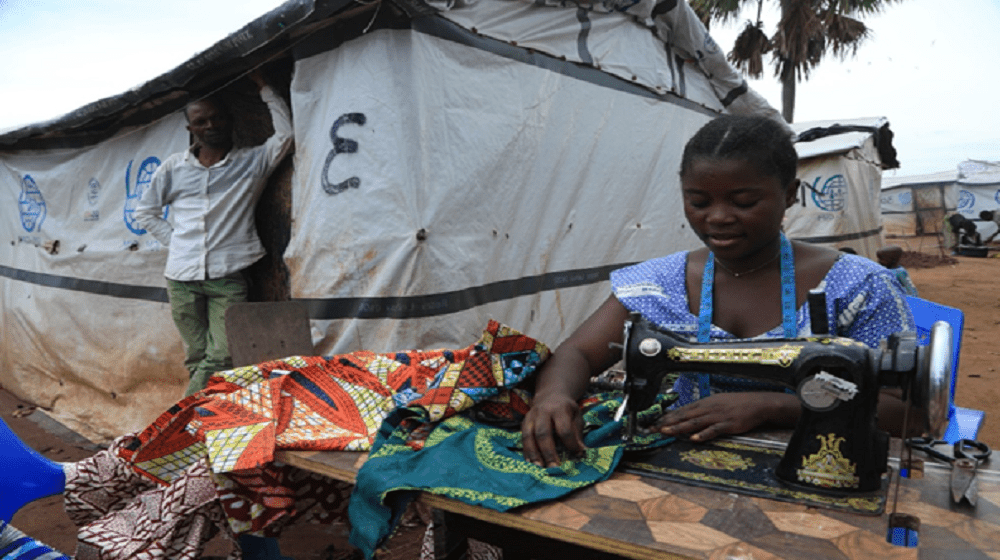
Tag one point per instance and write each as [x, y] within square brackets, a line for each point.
[32, 205]
[143, 177]
[93, 191]
[905, 197]
[833, 196]
[966, 200]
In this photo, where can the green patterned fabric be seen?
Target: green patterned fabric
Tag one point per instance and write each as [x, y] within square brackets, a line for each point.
[477, 458]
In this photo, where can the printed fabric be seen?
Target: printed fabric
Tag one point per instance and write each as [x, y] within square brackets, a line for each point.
[124, 515]
[864, 301]
[206, 465]
[477, 457]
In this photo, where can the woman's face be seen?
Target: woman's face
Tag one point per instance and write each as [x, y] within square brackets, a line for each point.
[733, 208]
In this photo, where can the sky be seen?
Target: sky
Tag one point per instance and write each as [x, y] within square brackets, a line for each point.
[58, 55]
[932, 72]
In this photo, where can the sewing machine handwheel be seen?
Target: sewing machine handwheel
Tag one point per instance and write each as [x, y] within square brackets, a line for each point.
[932, 392]
[814, 397]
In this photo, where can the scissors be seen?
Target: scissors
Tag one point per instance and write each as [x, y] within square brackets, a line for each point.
[965, 458]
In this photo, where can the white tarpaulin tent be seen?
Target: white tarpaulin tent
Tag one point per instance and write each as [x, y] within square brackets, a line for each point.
[917, 205]
[513, 202]
[978, 190]
[840, 166]
[85, 314]
[481, 159]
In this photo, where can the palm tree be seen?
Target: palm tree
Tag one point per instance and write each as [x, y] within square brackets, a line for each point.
[808, 29]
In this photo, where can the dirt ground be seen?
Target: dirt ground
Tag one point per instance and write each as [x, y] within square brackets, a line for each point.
[966, 283]
[963, 282]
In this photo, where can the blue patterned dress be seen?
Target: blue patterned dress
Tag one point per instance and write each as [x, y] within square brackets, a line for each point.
[864, 302]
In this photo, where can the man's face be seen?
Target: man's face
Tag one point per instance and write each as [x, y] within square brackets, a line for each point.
[210, 124]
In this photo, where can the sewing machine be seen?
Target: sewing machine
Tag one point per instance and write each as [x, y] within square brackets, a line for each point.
[836, 445]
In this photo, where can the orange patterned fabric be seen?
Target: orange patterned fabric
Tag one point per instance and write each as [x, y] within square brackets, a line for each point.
[312, 403]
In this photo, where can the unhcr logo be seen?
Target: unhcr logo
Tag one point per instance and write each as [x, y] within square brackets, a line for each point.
[32, 205]
[143, 177]
[832, 197]
[966, 201]
[93, 191]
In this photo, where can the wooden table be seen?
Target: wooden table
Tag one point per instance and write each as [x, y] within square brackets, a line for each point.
[632, 516]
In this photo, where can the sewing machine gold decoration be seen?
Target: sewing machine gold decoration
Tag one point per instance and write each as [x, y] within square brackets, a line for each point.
[836, 446]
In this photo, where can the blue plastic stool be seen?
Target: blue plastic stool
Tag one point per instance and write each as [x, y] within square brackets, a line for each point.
[28, 476]
[963, 423]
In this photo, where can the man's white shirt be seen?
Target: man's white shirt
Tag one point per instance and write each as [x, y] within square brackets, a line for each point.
[212, 209]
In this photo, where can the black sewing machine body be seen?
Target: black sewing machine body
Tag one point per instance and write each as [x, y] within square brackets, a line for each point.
[836, 444]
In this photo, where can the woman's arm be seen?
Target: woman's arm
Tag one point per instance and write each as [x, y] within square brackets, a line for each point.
[555, 417]
[736, 413]
[730, 413]
[891, 411]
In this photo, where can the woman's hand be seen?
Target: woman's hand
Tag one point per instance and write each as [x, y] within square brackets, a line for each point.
[728, 413]
[551, 421]
[555, 419]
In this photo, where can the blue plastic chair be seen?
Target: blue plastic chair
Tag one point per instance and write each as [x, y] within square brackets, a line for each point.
[28, 476]
[15, 545]
[963, 423]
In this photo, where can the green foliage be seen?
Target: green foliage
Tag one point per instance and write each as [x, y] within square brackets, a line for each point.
[806, 32]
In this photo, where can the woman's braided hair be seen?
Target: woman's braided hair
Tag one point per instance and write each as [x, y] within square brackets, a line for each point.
[757, 140]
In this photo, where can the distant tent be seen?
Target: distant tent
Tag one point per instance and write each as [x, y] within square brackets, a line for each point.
[840, 166]
[978, 190]
[454, 162]
[917, 205]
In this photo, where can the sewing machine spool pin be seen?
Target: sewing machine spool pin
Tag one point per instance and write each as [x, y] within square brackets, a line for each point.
[819, 320]
[836, 445]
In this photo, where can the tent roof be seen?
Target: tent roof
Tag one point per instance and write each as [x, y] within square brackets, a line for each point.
[829, 137]
[913, 180]
[300, 28]
[976, 172]
[969, 172]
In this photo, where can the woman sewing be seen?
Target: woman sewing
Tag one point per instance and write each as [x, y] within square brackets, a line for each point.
[749, 281]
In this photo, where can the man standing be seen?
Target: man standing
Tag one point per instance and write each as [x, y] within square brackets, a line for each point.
[212, 190]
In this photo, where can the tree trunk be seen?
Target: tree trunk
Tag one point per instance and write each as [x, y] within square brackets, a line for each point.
[788, 77]
[788, 97]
